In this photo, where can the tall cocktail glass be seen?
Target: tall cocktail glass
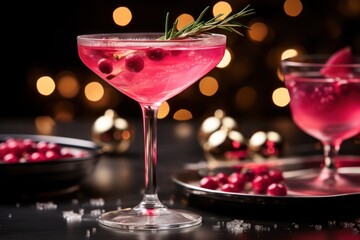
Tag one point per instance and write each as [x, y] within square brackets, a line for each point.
[325, 103]
[150, 71]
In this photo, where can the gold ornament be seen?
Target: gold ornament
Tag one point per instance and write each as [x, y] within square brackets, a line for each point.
[113, 133]
[225, 145]
[214, 123]
[264, 145]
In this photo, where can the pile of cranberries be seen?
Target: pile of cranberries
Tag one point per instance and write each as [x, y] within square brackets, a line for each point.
[21, 150]
[258, 180]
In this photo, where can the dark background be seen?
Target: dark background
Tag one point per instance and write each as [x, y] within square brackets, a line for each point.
[40, 36]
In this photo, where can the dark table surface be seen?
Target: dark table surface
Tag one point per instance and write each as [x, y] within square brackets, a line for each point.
[44, 216]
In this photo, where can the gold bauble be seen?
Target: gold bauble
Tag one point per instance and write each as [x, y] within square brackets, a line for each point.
[266, 144]
[113, 133]
[214, 123]
[225, 145]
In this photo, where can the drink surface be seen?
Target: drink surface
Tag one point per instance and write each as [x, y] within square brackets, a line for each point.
[151, 72]
[325, 108]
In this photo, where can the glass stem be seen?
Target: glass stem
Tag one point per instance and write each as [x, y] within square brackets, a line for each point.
[150, 199]
[329, 174]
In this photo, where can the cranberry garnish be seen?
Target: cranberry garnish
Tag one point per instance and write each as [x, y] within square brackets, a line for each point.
[105, 66]
[209, 182]
[260, 170]
[277, 189]
[134, 62]
[260, 183]
[156, 54]
[51, 154]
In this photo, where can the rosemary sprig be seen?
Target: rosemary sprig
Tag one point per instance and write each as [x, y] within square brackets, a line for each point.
[197, 27]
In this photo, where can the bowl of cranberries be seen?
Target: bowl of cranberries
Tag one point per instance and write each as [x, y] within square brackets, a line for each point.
[33, 164]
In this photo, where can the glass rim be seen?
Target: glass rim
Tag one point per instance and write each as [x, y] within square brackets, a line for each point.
[144, 38]
[318, 60]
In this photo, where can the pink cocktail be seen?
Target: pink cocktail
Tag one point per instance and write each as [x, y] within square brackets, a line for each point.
[325, 103]
[150, 71]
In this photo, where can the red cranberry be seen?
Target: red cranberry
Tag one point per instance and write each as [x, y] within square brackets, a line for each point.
[66, 153]
[134, 63]
[105, 65]
[249, 175]
[238, 180]
[260, 183]
[209, 182]
[275, 175]
[37, 157]
[14, 147]
[11, 158]
[51, 154]
[230, 187]
[277, 189]
[260, 170]
[28, 145]
[222, 178]
[156, 54]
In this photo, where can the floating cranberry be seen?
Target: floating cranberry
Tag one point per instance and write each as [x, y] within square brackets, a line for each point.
[51, 154]
[209, 182]
[156, 54]
[105, 66]
[260, 183]
[134, 62]
[260, 170]
[277, 189]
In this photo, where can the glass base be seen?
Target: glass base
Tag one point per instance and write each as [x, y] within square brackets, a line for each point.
[325, 182]
[131, 219]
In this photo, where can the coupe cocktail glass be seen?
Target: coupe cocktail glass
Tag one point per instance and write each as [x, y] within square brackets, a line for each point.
[325, 103]
[150, 71]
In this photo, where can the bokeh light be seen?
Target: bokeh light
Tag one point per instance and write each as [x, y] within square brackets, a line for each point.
[281, 97]
[293, 8]
[94, 91]
[164, 110]
[208, 86]
[122, 16]
[182, 115]
[223, 8]
[67, 85]
[183, 20]
[225, 61]
[45, 85]
[258, 31]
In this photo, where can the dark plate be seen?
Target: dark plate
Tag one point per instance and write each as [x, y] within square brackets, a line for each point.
[47, 178]
[187, 182]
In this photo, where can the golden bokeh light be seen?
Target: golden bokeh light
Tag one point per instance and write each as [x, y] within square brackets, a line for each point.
[289, 53]
[281, 97]
[94, 91]
[208, 86]
[182, 115]
[45, 85]
[184, 20]
[45, 125]
[258, 31]
[122, 16]
[222, 7]
[245, 97]
[293, 8]
[64, 111]
[225, 61]
[164, 110]
[68, 86]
